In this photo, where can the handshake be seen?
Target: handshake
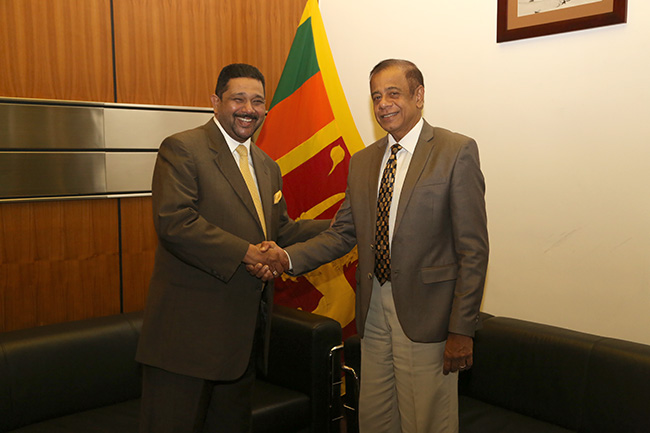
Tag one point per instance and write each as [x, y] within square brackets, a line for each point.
[266, 260]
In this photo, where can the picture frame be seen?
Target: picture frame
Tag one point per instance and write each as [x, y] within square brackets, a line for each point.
[544, 17]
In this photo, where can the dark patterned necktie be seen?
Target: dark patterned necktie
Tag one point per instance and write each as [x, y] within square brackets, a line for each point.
[385, 196]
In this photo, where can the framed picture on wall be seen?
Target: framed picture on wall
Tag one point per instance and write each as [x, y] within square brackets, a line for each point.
[519, 19]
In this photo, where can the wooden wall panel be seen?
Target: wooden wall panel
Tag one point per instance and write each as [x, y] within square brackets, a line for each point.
[56, 49]
[170, 53]
[59, 261]
[139, 243]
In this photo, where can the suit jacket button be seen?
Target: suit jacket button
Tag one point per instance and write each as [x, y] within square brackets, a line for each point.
[370, 276]
[372, 246]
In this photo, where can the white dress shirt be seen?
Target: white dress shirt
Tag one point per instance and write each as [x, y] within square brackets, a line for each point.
[232, 145]
[408, 143]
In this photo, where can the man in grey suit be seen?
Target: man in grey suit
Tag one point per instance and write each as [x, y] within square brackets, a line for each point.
[206, 321]
[415, 207]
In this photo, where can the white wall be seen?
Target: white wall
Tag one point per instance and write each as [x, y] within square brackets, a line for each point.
[563, 127]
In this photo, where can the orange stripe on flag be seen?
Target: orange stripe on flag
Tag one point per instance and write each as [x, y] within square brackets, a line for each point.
[296, 118]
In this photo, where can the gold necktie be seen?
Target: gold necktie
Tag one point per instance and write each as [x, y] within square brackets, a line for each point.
[250, 183]
[384, 198]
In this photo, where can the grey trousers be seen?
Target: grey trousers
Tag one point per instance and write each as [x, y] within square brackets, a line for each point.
[403, 389]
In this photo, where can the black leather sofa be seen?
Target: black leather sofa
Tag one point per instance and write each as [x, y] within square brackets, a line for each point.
[82, 377]
[533, 378]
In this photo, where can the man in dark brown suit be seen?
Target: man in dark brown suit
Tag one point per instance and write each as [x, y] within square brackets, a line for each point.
[207, 319]
[419, 282]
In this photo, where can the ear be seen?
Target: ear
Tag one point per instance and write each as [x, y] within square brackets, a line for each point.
[419, 97]
[216, 101]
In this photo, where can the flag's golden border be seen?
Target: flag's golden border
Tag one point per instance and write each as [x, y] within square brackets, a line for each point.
[331, 79]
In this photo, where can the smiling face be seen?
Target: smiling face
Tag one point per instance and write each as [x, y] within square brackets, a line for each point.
[241, 108]
[397, 109]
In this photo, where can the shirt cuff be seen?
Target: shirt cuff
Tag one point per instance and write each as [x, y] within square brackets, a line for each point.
[288, 257]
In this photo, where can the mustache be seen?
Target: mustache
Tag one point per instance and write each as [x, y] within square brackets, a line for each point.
[248, 116]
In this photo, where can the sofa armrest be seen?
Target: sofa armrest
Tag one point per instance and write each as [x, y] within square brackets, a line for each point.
[301, 358]
[352, 370]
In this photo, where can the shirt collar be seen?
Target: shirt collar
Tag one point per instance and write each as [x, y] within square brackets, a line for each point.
[410, 140]
[231, 142]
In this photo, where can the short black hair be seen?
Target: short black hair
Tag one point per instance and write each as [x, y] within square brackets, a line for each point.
[412, 73]
[237, 70]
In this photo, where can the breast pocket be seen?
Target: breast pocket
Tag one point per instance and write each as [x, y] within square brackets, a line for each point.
[432, 181]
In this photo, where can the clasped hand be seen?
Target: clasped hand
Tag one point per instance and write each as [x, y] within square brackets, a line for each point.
[266, 260]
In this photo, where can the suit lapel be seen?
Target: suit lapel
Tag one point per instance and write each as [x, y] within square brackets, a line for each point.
[226, 163]
[375, 169]
[418, 162]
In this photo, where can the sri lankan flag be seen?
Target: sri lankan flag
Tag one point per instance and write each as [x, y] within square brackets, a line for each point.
[310, 132]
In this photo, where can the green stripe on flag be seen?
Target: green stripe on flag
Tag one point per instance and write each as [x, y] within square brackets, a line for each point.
[301, 64]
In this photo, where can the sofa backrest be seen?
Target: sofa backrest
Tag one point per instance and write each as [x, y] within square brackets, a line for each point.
[579, 381]
[56, 370]
[530, 368]
[617, 398]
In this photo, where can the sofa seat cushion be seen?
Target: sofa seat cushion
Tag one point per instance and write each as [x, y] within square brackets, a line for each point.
[479, 417]
[277, 409]
[121, 417]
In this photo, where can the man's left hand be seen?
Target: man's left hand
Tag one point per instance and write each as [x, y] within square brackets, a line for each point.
[458, 353]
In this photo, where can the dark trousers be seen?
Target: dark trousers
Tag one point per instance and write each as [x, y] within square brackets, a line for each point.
[174, 403]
